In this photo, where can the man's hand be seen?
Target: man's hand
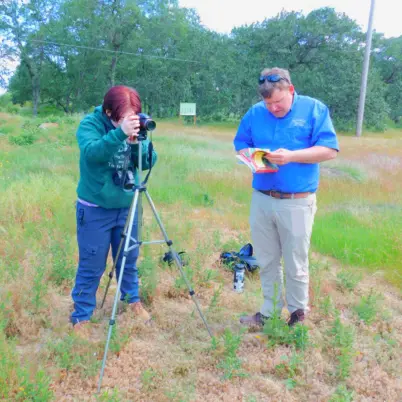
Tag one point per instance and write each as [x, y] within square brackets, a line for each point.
[315, 154]
[279, 157]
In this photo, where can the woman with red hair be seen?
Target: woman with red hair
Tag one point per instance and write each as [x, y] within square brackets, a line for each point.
[107, 140]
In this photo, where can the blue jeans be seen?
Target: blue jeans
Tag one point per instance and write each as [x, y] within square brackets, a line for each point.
[98, 229]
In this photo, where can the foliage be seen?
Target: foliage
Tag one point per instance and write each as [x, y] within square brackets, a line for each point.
[290, 368]
[38, 249]
[22, 139]
[231, 364]
[369, 238]
[162, 49]
[280, 333]
[347, 280]
[342, 394]
[367, 308]
[147, 271]
[342, 339]
[16, 382]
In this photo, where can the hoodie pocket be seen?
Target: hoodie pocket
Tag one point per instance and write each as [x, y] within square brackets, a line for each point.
[112, 196]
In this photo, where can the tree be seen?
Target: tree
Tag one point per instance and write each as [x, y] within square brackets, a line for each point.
[323, 52]
[388, 60]
[162, 50]
[21, 26]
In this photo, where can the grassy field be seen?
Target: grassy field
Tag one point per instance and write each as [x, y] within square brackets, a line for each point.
[349, 349]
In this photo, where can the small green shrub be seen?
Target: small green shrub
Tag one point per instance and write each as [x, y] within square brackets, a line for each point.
[347, 280]
[22, 139]
[367, 308]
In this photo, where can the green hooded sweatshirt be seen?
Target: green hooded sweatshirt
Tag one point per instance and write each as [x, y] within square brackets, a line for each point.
[102, 149]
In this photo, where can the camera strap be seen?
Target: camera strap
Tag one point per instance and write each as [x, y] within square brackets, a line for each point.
[150, 151]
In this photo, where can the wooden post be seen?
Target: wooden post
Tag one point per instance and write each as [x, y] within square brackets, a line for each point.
[366, 62]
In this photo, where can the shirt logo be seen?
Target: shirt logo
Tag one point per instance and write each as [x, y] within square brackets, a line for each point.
[298, 123]
[119, 157]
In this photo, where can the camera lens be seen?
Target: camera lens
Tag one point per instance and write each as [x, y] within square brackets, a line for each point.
[146, 123]
[150, 125]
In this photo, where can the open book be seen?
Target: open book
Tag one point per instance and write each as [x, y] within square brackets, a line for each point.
[255, 159]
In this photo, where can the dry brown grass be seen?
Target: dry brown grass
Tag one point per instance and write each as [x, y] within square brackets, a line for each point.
[173, 359]
[175, 348]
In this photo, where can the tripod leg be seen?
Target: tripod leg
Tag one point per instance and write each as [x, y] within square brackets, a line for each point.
[130, 220]
[123, 238]
[177, 262]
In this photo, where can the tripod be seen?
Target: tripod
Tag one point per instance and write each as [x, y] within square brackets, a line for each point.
[129, 243]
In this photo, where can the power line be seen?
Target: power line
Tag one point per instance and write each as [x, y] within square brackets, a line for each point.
[113, 51]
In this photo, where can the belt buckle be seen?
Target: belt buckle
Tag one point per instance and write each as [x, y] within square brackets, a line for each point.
[281, 196]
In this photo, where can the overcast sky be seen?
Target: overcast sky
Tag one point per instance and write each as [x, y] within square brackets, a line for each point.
[223, 15]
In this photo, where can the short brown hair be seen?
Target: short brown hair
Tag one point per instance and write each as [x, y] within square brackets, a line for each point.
[119, 100]
[267, 88]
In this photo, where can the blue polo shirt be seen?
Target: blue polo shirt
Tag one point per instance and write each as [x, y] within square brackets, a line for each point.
[307, 124]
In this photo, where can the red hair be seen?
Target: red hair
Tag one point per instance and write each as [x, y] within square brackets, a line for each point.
[121, 99]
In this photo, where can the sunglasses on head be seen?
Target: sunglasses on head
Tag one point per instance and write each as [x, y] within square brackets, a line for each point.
[271, 78]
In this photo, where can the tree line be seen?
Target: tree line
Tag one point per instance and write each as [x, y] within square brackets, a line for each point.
[69, 52]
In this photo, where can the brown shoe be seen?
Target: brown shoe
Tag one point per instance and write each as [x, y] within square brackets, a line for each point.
[295, 317]
[256, 320]
[140, 312]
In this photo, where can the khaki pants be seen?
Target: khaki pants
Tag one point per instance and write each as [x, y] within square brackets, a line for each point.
[282, 228]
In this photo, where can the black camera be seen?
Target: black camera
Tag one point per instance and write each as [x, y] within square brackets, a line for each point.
[124, 179]
[146, 124]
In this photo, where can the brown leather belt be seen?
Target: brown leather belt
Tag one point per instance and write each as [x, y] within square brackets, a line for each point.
[277, 194]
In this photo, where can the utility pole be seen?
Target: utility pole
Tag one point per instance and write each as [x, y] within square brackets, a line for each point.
[363, 87]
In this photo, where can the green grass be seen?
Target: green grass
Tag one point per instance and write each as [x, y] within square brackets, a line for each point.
[7, 129]
[352, 172]
[16, 382]
[196, 173]
[203, 197]
[370, 239]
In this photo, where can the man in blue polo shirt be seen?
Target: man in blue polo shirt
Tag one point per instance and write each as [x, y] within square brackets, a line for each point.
[299, 133]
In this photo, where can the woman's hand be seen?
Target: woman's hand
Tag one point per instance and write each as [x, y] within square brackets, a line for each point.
[131, 126]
